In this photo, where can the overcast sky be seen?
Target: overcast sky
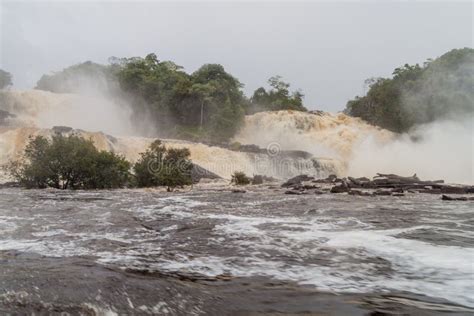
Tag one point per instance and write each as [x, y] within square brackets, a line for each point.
[326, 49]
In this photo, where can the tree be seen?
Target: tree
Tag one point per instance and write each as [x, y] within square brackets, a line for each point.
[277, 98]
[159, 166]
[69, 163]
[240, 178]
[202, 92]
[440, 89]
[5, 79]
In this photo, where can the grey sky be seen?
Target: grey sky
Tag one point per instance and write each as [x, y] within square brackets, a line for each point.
[327, 49]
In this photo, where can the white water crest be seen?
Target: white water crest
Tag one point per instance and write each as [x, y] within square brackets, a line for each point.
[439, 150]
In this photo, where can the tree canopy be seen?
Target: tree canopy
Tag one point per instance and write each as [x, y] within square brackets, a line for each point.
[72, 162]
[277, 98]
[439, 89]
[206, 105]
[69, 162]
[161, 166]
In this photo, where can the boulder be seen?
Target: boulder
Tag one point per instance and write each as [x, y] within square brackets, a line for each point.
[458, 198]
[359, 192]
[297, 180]
[238, 191]
[397, 190]
[341, 188]
[382, 192]
[295, 192]
[453, 190]
[198, 173]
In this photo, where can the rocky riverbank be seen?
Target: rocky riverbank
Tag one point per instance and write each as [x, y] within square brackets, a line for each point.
[382, 184]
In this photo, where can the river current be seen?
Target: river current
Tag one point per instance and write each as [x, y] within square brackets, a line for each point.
[212, 251]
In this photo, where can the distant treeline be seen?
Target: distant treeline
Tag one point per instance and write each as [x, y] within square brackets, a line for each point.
[440, 89]
[208, 104]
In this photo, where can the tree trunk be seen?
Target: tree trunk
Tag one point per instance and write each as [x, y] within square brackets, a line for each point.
[202, 111]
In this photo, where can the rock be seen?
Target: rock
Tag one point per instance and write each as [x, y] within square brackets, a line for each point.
[398, 194]
[382, 192]
[238, 191]
[251, 148]
[10, 184]
[453, 190]
[296, 154]
[458, 198]
[342, 188]
[297, 180]
[354, 180]
[198, 173]
[62, 129]
[397, 190]
[359, 192]
[294, 192]
[330, 179]
[318, 192]
[310, 186]
[430, 191]
[413, 178]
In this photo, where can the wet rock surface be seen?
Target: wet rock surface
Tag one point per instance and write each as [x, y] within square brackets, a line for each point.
[382, 184]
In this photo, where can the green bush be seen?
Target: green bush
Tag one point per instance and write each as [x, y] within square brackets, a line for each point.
[159, 166]
[69, 163]
[240, 178]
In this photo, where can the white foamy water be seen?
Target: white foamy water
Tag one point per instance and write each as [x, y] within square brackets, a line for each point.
[316, 241]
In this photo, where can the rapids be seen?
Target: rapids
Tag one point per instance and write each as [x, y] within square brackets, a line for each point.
[211, 248]
[322, 134]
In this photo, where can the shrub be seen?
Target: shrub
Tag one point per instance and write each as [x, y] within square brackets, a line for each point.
[257, 179]
[240, 178]
[69, 163]
[159, 166]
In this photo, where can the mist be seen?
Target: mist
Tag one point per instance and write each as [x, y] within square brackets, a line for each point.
[440, 150]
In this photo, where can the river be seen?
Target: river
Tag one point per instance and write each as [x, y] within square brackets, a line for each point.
[211, 251]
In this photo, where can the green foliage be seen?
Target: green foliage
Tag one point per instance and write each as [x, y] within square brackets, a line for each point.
[240, 178]
[69, 163]
[210, 98]
[5, 79]
[441, 88]
[277, 98]
[83, 77]
[207, 105]
[159, 166]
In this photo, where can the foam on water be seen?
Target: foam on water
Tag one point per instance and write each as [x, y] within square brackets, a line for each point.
[318, 248]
